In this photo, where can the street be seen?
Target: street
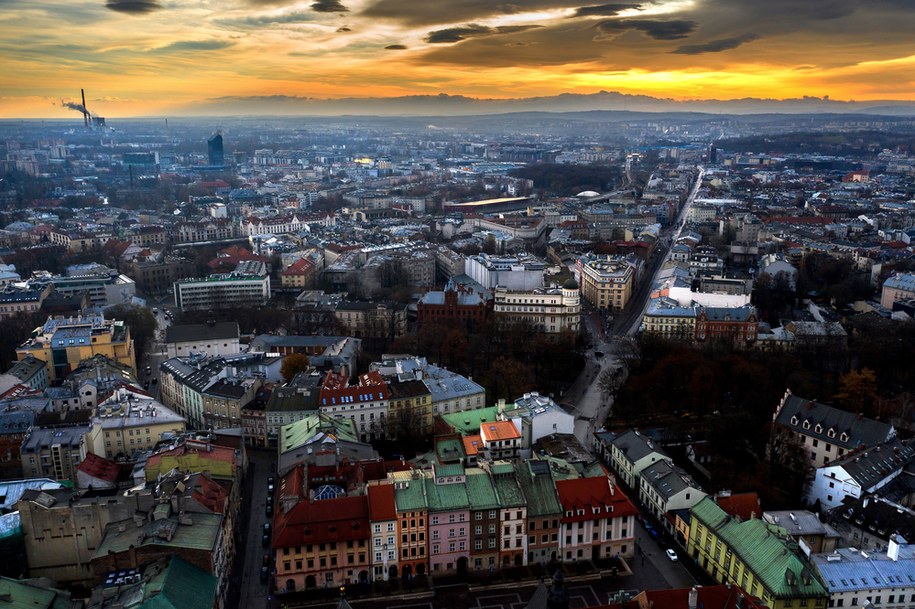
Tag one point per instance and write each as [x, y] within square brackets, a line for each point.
[254, 594]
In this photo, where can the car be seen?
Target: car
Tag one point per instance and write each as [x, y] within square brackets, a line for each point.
[271, 480]
[671, 555]
[269, 509]
[148, 369]
[154, 381]
[265, 540]
[155, 310]
[266, 528]
[266, 561]
[265, 574]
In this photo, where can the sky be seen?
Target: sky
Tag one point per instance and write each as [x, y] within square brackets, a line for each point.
[160, 57]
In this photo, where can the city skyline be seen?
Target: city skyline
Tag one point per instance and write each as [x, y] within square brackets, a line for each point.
[151, 57]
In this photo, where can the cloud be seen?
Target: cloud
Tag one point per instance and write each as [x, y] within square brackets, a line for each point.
[473, 30]
[329, 6]
[674, 29]
[604, 10]
[195, 45]
[413, 13]
[395, 47]
[343, 29]
[264, 20]
[133, 7]
[715, 46]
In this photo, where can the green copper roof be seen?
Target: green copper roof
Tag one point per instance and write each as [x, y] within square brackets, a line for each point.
[480, 490]
[299, 433]
[15, 594]
[771, 558]
[181, 586]
[539, 488]
[409, 493]
[468, 422]
[446, 497]
[507, 488]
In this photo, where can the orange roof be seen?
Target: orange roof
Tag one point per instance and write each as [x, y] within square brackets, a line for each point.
[499, 430]
[381, 502]
[472, 444]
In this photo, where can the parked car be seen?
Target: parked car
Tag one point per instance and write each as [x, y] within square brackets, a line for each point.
[266, 561]
[269, 509]
[265, 540]
[265, 573]
[671, 555]
[266, 528]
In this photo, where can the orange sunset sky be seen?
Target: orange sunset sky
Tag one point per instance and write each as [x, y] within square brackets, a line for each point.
[155, 57]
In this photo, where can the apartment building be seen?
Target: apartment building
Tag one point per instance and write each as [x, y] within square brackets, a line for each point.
[546, 310]
[606, 281]
[63, 342]
[752, 555]
[247, 285]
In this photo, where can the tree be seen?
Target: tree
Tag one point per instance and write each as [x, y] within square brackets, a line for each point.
[140, 320]
[858, 390]
[293, 364]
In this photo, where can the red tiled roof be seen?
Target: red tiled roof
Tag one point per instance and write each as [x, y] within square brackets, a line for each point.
[99, 467]
[709, 597]
[210, 494]
[381, 502]
[744, 505]
[585, 493]
[302, 266]
[327, 521]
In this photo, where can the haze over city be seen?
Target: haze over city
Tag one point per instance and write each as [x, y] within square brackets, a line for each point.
[153, 58]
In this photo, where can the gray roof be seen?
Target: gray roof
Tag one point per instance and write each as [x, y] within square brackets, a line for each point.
[800, 523]
[635, 445]
[869, 467]
[848, 569]
[16, 422]
[25, 368]
[44, 438]
[667, 479]
[196, 332]
[857, 430]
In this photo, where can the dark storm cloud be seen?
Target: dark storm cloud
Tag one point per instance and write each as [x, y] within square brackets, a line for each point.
[659, 30]
[329, 6]
[715, 46]
[133, 7]
[395, 47]
[604, 10]
[457, 34]
[412, 13]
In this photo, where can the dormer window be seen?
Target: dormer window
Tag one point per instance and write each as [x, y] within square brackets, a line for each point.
[806, 424]
[831, 433]
[844, 437]
[794, 420]
[818, 428]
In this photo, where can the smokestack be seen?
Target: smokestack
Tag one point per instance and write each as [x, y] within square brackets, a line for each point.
[82, 92]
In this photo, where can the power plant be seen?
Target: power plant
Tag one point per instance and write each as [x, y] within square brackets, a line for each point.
[88, 119]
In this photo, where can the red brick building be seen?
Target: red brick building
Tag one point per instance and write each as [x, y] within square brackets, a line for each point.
[456, 304]
[739, 325]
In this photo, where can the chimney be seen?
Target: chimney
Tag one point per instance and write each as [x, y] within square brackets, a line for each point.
[892, 550]
[693, 597]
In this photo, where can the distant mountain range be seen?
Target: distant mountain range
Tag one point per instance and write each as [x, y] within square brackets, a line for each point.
[457, 105]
